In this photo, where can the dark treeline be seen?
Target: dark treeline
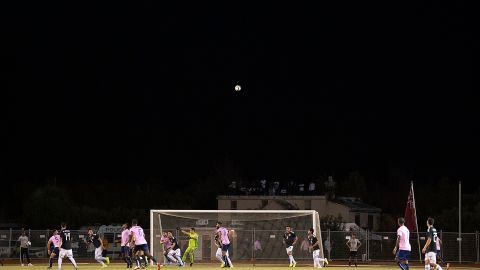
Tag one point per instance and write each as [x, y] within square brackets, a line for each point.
[45, 202]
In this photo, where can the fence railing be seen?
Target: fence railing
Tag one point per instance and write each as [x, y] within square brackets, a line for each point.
[376, 246]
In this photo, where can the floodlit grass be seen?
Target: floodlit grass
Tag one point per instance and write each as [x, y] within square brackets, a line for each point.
[94, 266]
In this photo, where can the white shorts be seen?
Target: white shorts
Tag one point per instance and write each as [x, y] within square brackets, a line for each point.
[316, 253]
[219, 252]
[289, 249]
[98, 252]
[174, 252]
[431, 257]
[66, 253]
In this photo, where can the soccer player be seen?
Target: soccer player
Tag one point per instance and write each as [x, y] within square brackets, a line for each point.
[167, 245]
[218, 254]
[97, 243]
[65, 246]
[222, 233]
[125, 247]
[138, 237]
[53, 247]
[174, 253]
[289, 240]
[403, 245]
[430, 249]
[192, 245]
[24, 244]
[353, 244]
[439, 252]
[315, 249]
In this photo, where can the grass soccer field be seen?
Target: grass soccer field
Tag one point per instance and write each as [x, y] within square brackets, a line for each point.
[93, 266]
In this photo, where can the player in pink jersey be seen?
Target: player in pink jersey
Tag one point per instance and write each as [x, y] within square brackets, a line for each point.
[403, 245]
[222, 233]
[53, 247]
[138, 237]
[167, 245]
[125, 247]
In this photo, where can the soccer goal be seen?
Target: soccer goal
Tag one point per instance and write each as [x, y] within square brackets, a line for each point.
[255, 234]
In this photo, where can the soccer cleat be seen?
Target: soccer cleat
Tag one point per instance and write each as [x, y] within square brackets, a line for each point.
[103, 266]
[23, 264]
[136, 267]
[29, 264]
[222, 264]
[107, 259]
[49, 267]
[191, 264]
[325, 263]
[294, 264]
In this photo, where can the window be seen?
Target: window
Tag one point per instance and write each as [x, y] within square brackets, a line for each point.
[370, 221]
[233, 205]
[357, 219]
[308, 204]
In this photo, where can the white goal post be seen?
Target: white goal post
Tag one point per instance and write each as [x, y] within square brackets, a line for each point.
[256, 234]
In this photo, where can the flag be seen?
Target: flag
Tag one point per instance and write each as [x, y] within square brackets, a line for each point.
[410, 212]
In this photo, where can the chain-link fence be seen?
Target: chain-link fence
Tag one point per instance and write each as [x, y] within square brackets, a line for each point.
[265, 245]
[378, 246]
[10, 248]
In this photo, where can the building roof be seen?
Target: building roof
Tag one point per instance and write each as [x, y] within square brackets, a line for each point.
[356, 205]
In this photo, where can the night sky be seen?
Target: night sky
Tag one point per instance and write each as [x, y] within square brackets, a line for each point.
[126, 91]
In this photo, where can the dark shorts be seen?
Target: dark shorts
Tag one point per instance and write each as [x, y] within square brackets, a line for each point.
[56, 250]
[143, 248]
[439, 253]
[225, 247]
[403, 255]
[125, 249]
[353, 253]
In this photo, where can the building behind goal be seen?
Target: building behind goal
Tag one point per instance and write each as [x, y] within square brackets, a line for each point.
[256, 234]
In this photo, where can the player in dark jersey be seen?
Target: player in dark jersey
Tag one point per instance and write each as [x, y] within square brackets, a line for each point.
[289, 240]
[174, 252]
[65, 246]
[430, 248]
[97, 243]
[314, 247]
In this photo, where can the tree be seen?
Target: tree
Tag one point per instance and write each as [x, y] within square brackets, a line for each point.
[47, 207]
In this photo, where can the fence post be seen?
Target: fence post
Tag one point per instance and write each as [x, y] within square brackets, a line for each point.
[10, 244]
[366, 244]
[369, 242]
[253, 244]
[477, 246]
[114, 245]
[329, 245]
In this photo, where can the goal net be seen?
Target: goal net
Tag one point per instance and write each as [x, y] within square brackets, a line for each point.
[255, 234]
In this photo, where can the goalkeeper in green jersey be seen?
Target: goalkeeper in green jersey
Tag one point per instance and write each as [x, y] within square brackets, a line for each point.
[192, 244]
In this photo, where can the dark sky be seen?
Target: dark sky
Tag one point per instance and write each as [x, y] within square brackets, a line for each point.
[141, 88]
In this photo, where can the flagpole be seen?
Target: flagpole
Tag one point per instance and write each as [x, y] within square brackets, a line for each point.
[416, 222]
